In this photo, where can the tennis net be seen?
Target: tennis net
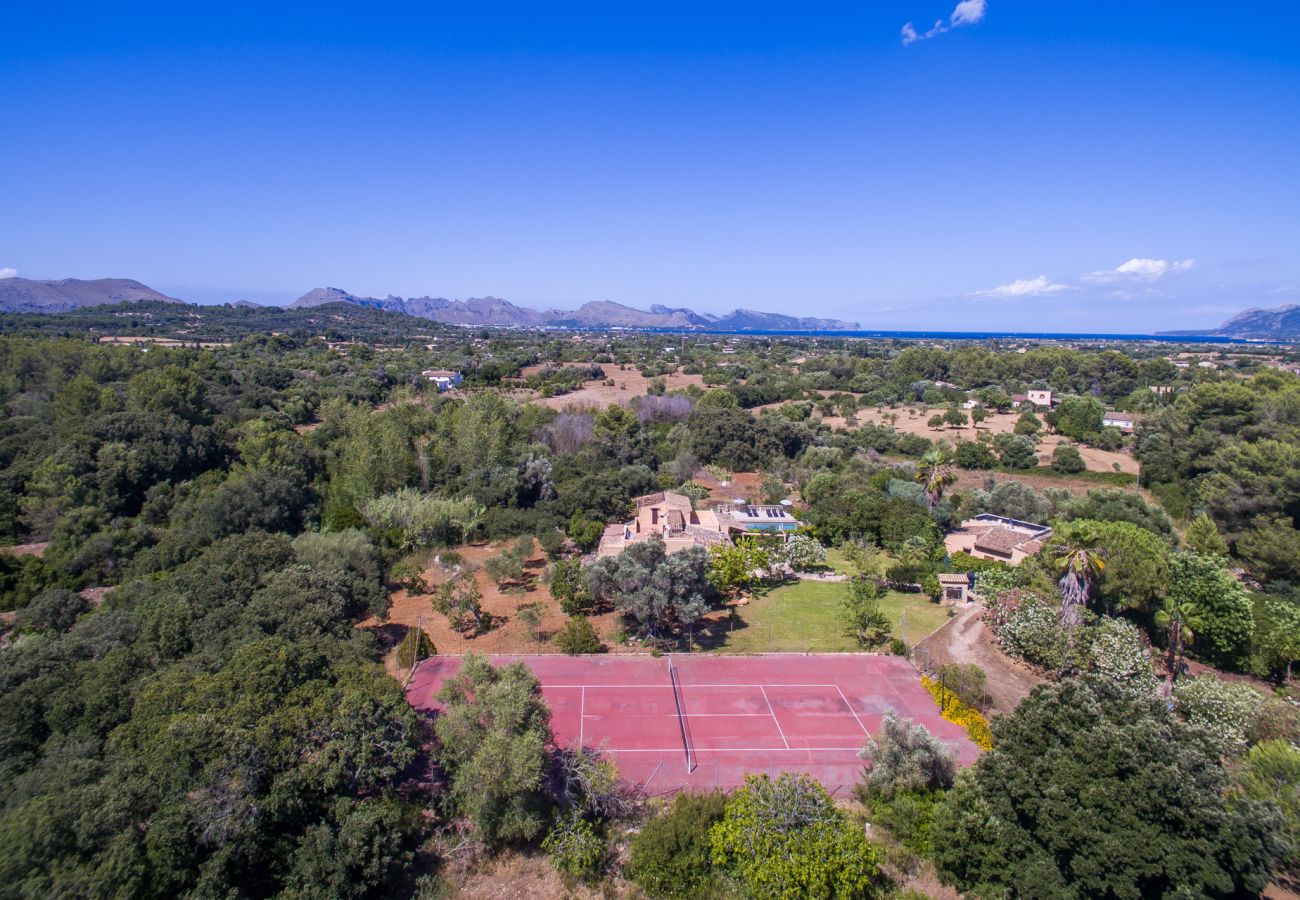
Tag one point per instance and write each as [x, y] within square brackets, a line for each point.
[675, 681]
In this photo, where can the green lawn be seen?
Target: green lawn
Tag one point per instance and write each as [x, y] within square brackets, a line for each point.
[805, 616]
[838, 562]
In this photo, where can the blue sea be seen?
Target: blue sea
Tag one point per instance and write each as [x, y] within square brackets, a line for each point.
[992, 336]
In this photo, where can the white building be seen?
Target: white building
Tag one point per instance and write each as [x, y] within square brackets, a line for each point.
[444, 379]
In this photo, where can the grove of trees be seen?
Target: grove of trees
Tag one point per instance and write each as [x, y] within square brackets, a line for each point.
[193, 535]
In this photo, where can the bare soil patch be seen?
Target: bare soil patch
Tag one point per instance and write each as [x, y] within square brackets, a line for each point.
[95, 595]
[748, 485]
[510, 635]
[34, 549]
[529, 876]
[628, 383]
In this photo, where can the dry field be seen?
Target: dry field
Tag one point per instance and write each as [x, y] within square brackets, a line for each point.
[628, 383]
[996, 423]
[158, 341]
[748, 485]
[1002, 423]
[972, 480]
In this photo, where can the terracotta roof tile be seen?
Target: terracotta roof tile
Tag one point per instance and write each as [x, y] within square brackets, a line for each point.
[999, 540]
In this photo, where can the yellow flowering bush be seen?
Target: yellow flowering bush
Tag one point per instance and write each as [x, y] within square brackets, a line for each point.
[977, 727]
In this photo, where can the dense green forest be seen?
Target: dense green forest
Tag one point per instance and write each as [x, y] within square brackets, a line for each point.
[189, 710]
[184, 322]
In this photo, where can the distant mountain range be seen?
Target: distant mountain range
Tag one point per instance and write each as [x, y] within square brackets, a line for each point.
[33, 296]
[1278, 324]
[28, 295]
[598, 314]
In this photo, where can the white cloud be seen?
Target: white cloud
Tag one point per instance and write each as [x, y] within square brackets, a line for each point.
[910, 35]
[967, 12]
[1025, 287]
[7, 272]
[1140, 269]
[1128, 281]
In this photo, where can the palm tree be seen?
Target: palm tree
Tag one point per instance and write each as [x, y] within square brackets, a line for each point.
[1177, 617]
[1081, 568]
[936, 474]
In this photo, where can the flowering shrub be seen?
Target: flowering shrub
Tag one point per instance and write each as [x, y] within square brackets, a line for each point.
[977, 727]
[803, 553]
[1002, 607]
[1221, 709]
[1120, 653]
[1028, 627]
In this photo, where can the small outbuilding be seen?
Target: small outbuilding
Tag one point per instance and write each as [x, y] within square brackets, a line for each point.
[954, 588]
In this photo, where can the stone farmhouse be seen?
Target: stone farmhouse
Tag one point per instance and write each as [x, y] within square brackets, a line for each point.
[672, 516]
[1121, 420]
[996, 537]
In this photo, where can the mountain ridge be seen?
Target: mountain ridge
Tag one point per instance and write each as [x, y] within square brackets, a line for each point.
[33, 295]
[44, 296]
[1273, 323]
[593, 314]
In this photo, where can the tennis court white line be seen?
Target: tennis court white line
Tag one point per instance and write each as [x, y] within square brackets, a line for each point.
[854, 750]
[684, 685]
[774, 718]
[582, 715]
[672, 715]
[852, 710]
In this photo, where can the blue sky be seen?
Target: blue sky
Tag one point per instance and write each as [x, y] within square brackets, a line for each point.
[1034, 165]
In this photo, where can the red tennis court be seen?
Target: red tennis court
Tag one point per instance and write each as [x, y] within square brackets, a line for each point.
[703, 721]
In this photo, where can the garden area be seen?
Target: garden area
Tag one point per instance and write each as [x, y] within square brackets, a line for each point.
[807, 616]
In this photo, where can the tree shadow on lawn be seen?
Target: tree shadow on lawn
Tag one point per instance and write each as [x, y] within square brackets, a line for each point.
[712, 634]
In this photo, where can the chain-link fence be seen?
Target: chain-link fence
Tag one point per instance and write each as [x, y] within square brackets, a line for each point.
[966, 680]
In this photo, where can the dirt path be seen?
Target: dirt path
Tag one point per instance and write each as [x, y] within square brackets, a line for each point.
[966, 639]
